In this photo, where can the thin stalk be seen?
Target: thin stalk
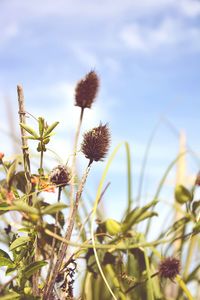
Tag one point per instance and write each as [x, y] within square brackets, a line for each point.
[139, 283]
[63, 246]
[119, 246]
[25, 149]
[74, 157]
[160, 186]
[53, 242]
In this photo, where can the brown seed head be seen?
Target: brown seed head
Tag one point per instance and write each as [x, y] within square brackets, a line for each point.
[60, 175]
[197, 182]
[86, 90]
[96, 143]
[169, 267]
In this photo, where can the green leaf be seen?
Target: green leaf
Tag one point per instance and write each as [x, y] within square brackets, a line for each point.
[19, 180]
[41, 125]
[53, 208]
[6, 262]
[50, 129]
[10, 296]
[11, 171]
[21, 241]
[137, 215]
[33, 267]
[195, 206]
[21, 205]
[182, 195]
[4, 207]
[4, 254]
[30, 130]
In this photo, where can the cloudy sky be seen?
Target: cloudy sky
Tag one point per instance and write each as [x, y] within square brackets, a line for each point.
[147, 54]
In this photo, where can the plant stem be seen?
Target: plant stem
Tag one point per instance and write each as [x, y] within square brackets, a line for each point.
[63, 246]
[74, 157]
[22, 118]
[53, 242]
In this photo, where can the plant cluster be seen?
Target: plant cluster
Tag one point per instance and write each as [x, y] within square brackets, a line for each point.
[43, 259]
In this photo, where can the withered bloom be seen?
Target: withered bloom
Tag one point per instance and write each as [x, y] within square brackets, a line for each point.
[96, 143]
[86, 90]
[169, 267]
[60, 175]
[197, 181]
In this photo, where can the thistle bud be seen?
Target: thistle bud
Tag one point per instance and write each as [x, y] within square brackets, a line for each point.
[86, 90]
[96, 143]
[60, 175]
[169, 268]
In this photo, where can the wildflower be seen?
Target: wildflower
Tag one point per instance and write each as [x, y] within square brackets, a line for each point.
[86, 90]
[169, 267]
[43, 184]
[60, 175]
[96, 143]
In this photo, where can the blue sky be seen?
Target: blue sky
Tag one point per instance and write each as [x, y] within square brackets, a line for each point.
[147, 54]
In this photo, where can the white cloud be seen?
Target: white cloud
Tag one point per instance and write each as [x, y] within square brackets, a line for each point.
[169, 32]
[190, 8]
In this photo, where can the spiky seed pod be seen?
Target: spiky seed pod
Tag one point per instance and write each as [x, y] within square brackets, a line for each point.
[86, 90]
[60, 175]
[169, 267]
[96, 143]
[197, 182]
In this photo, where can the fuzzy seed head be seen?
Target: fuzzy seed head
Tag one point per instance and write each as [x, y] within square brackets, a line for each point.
[60, 175]
[86, 90]
[169, 268]
[96, 143]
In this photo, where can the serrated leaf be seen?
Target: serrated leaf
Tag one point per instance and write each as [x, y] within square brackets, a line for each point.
[53, 208]
[50, 129]
[33, 267]
[30, 130]
[21, 241]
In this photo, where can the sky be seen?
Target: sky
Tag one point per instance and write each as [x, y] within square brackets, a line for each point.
[147, 54]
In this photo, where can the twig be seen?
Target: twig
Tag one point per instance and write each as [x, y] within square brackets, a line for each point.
[63, 247]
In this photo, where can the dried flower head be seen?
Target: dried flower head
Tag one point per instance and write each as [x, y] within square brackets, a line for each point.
[197, 181]
[86, 90]
[96, 143]
[169, 267]
[60, 175]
